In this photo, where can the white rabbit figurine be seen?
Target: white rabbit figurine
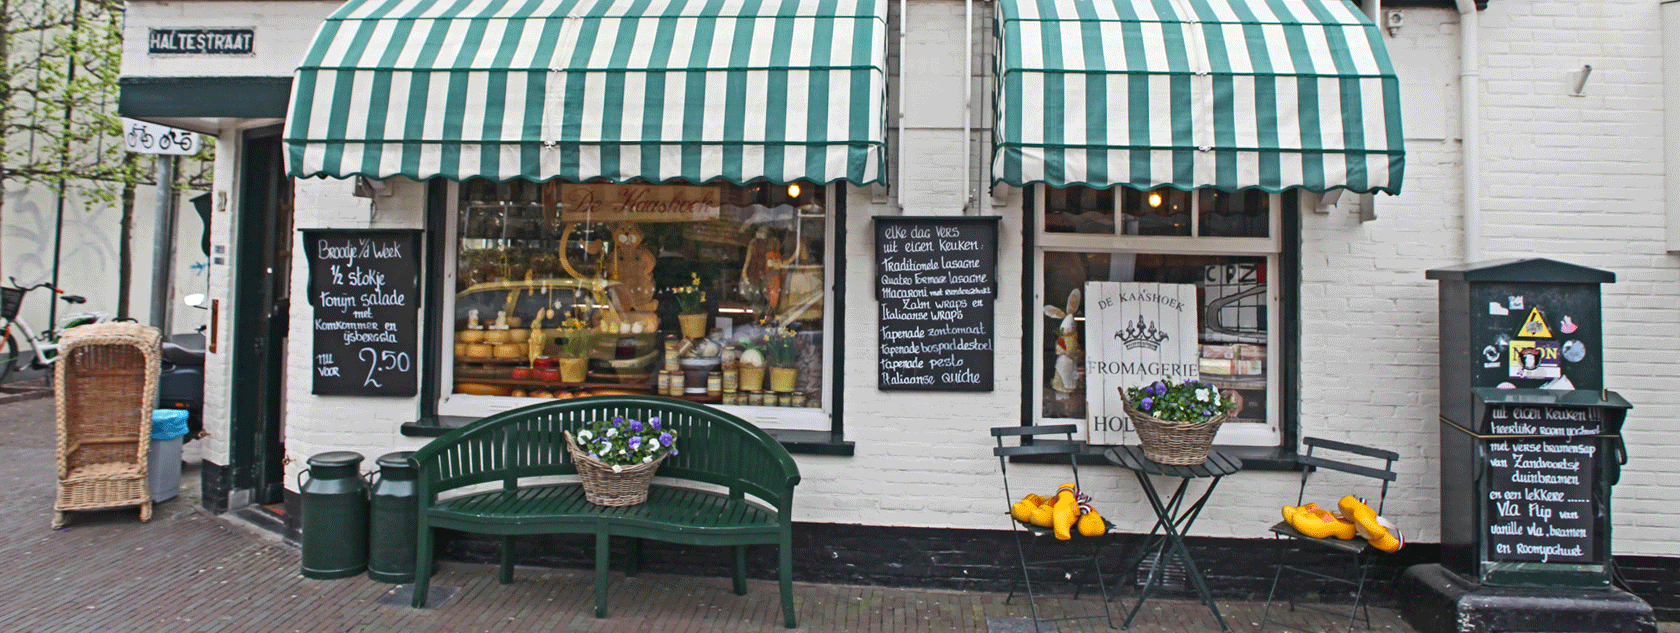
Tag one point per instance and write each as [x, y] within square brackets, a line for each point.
[1066, 379]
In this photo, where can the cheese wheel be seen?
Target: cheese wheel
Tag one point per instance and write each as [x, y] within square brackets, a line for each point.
[496, 336]
[480, 389]
[470, 336]
[507, 350]
[480, 350]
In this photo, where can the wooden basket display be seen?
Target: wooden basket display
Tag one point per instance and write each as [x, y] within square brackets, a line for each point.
[1173, 443]
[603, 487]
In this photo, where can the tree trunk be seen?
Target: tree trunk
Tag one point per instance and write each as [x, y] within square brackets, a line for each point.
[125, 248]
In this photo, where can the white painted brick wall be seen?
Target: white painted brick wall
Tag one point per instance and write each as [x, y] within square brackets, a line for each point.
[1578, 179]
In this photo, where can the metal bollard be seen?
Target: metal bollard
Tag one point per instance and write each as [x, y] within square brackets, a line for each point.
[393, 520]
[335, 516]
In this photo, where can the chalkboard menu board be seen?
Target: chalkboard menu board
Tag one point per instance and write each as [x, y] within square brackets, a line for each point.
[1541, 483]
[365, 288]
[935, 282]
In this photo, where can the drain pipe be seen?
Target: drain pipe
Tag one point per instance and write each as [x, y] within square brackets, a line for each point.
[969, 208]
[1470, 128]
[903, 18]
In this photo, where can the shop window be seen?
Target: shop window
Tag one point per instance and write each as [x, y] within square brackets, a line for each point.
[1228, 245]
[712, 293]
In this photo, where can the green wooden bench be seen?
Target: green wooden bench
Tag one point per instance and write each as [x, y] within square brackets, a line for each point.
[713, 448]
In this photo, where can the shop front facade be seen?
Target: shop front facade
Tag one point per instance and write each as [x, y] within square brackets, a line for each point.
[685, 200]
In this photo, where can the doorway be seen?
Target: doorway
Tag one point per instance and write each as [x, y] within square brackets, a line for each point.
[261, 307]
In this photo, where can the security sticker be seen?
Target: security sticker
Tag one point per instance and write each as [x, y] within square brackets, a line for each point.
[1497, 310]
[1516, 302]
[1535, 359]
[1568, 326]
[1574, 351]
[1535, 326]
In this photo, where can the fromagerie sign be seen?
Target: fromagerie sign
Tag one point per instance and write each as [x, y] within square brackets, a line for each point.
[638, 203]
[1137, 333]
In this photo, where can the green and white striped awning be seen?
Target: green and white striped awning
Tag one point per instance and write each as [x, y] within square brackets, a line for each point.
[658, 90]
[1226, 94]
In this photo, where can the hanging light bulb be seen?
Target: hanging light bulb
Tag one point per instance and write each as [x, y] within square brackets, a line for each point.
[1154, 198]
[793, 190]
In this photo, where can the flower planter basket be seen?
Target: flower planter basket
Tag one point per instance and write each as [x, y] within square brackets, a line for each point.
[1173, 443]
[603, 487]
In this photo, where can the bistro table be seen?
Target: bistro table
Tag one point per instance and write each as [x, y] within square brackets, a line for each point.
[1172, 518]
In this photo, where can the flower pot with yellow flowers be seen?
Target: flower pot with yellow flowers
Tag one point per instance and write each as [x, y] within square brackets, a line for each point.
[573, 336]
[781, 352]
[691, 304]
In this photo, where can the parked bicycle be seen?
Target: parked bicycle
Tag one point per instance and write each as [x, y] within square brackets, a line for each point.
[44, 345]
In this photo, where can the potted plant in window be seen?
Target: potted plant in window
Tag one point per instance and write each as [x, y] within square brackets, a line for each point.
[574, 349]
[1176, 422]
[691, 304]
[781, 352]
[751, 365]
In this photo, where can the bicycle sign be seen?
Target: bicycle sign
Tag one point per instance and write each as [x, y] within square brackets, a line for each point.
[141, 137]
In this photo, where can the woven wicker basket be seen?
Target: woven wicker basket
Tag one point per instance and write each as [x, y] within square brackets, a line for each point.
[105, 384]
[603, 487]
[1173, 443]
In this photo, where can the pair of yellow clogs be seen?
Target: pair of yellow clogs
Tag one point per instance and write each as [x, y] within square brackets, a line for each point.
[1069, 510]
[1356, 519]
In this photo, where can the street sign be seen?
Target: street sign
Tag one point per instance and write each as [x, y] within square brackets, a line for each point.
[150, 138]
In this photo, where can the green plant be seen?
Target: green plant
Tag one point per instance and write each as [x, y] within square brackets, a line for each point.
[1189, 401]
[574, 337]
[690, 298]
[623, 441]
[779, 347]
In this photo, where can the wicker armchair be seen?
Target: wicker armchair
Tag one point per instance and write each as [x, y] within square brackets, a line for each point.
[106, 378]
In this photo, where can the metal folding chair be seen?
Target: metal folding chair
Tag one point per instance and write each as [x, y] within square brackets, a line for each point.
[1333, 455]
[1031, 541]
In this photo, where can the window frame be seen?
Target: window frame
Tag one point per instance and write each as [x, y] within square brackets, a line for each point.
[1281, 250]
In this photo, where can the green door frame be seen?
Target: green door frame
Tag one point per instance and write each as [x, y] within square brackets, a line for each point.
[259, 309]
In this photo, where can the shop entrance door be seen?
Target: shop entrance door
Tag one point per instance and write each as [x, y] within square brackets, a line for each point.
[261, 304]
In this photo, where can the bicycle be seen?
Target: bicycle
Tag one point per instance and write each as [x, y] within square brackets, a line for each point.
[43, 346]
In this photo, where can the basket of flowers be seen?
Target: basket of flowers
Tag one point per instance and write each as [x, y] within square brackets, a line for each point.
[1176, 422]
[617, 458]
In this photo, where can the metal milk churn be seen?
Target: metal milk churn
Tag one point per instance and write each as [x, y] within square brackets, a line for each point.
[335, 516]
[393, 520]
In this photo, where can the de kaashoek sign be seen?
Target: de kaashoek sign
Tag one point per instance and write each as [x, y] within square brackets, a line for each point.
[1138, 333]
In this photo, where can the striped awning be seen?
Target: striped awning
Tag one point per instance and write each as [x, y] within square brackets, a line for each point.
[1226, 94]
[692, 90]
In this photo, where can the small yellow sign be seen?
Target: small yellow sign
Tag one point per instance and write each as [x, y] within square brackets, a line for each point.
[1535, 327]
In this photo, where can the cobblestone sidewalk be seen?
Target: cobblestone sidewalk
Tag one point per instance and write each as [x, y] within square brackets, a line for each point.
[188, 571]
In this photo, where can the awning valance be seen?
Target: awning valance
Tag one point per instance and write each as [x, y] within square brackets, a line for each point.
[694, 90]
[1227, 94]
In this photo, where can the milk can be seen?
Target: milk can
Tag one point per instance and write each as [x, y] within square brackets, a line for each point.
[393, 520]
[335, 516]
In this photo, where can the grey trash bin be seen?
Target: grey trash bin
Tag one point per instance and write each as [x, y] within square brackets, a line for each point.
[163, 457]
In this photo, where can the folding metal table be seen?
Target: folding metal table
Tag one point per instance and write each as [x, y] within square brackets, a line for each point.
[1173, 519]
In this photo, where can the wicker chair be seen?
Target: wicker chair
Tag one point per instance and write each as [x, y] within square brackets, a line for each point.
[106, 378]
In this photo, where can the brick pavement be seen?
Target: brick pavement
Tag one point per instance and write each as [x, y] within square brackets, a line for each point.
[188, 571]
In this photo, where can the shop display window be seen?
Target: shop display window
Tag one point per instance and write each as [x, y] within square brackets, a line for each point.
[1225, 244]
[713, 293]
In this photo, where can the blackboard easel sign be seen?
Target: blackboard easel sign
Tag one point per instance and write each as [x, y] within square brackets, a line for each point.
[935, 284]
[1542, 467]
[364, 285]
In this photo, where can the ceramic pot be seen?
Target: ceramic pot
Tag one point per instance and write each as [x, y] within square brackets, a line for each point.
[782, 378]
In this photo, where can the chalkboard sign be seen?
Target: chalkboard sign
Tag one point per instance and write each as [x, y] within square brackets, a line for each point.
[935, 282]
[365, 288]
[1541, 483]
